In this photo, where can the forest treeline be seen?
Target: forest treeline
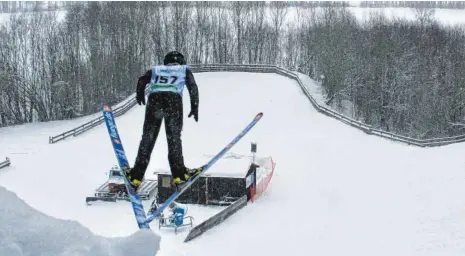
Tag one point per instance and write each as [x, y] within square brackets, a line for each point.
[400, 76]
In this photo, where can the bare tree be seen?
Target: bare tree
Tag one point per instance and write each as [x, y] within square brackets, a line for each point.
[278, 13]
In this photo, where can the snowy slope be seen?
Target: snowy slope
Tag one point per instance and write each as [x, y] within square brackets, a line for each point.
[336, 190]
[25, 231]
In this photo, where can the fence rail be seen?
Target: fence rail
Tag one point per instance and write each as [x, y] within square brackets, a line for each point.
[92, 123]
[5, 163]
[257, 68]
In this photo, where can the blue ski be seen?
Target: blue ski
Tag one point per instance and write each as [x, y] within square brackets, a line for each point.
[136, 202]
[205, 168]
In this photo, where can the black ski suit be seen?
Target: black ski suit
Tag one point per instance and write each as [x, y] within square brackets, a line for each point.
[167, 106]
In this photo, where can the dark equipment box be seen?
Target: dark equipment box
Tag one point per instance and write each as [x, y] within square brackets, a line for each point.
[208, 190]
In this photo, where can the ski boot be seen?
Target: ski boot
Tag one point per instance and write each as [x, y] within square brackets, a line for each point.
[135, 183]
[194, 171]
[179, 182]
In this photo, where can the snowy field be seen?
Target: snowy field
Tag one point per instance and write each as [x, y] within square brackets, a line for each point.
[231, 165]
[336, 190]
[443, 16]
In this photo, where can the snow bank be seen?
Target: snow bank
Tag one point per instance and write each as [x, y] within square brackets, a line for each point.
[26, 231]
[315, 89]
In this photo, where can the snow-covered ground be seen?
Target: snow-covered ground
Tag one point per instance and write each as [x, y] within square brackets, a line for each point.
[317, 91]
[335, 191]
[25, 231]
[4, 17]
[442, 15]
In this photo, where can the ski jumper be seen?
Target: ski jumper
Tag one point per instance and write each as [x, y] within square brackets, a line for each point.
[165, 86]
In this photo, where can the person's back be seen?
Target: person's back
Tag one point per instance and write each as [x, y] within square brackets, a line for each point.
[165, 86]
[168, 78]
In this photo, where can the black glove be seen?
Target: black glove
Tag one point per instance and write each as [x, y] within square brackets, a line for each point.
[140, 98]
[194, 112]
[140, 89]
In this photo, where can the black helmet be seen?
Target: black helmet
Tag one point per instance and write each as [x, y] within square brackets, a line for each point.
[174, 57]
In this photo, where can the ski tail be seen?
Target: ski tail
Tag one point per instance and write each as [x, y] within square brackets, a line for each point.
[207, 166]
[136, 202]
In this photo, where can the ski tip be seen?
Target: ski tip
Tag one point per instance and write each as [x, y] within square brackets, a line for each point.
[106, 108]
[259, 115]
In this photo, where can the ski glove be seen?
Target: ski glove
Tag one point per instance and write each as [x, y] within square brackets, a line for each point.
[140, 98]
[194, 112]
[140, 90]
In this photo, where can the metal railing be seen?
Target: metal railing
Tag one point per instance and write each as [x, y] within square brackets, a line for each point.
[368, 129]
[93, 123]
[257, 68]
[5, 163]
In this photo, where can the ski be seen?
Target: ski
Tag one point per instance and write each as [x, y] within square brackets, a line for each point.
[136, 202]
[176, 194]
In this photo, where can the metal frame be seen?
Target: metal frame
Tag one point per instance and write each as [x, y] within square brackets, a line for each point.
[146, 191]
[168, 223]
[5, 163]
